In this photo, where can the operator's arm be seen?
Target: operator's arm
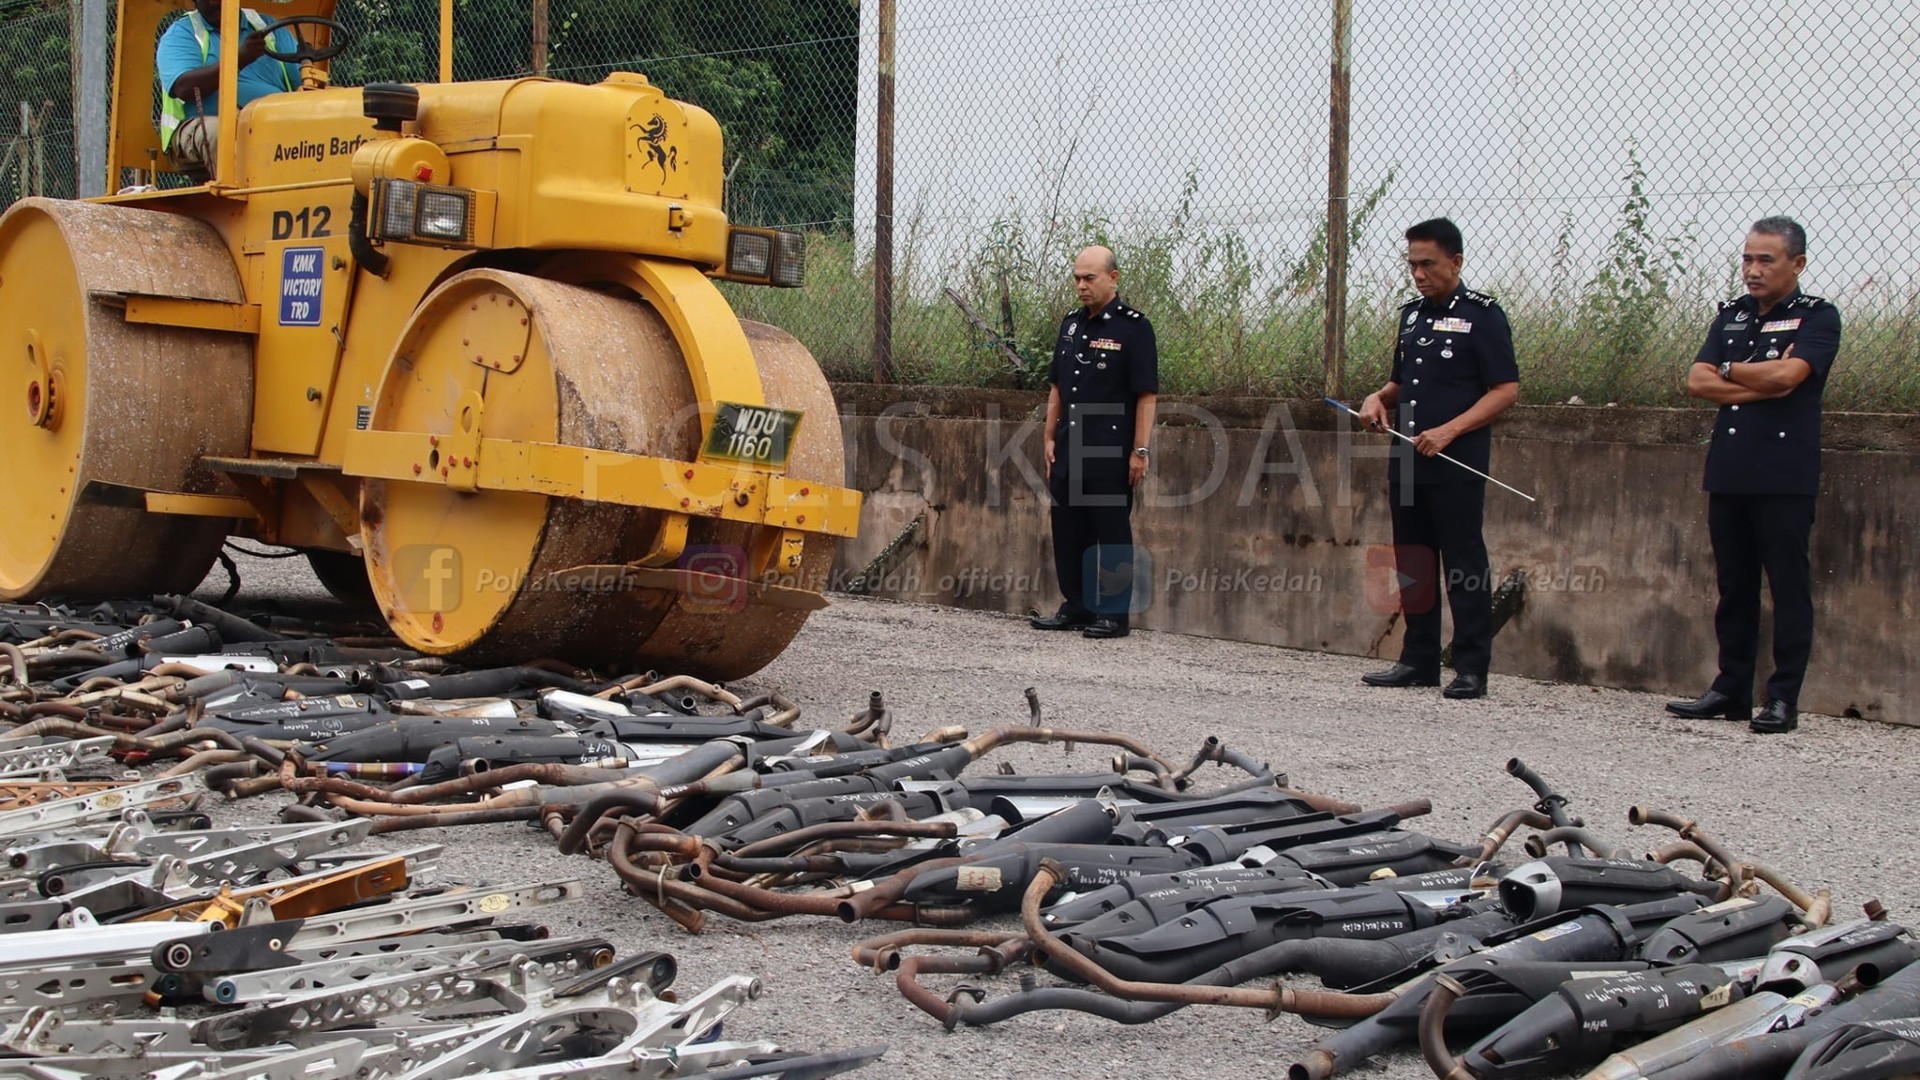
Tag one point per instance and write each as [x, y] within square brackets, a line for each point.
[185, 77]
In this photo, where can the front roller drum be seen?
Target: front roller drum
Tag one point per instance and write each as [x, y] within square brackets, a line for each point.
[485, 574]
[95, 411]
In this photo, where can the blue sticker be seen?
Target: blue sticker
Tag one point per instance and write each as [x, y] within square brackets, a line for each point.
[300, 286]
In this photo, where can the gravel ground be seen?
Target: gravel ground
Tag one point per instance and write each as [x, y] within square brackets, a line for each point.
[1828, 806]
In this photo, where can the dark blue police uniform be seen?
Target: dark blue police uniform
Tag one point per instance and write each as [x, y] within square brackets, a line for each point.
[1450, 352]
[1762, 477]
[1102, 363]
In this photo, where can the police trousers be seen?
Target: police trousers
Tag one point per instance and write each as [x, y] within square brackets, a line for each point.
[1751, 534]
[1440, 526]
[1093, 554]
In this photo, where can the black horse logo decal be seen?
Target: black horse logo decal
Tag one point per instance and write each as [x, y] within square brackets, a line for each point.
[653, 143]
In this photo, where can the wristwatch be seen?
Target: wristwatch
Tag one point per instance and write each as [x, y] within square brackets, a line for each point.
[1726, 370]
[1140, 451]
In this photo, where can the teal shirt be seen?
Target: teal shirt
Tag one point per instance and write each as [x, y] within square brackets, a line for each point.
[179, 53]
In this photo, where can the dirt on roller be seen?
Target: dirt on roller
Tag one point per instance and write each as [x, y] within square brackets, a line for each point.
[1831, 805]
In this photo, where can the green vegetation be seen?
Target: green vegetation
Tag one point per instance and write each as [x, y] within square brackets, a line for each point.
[1235, 322]
[779, 75]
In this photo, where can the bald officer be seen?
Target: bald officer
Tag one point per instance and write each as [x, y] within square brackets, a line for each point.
[1105, 381]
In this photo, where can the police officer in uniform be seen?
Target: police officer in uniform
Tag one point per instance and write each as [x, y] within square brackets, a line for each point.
[1105, 380]
[1453, 373]
[1765, 363]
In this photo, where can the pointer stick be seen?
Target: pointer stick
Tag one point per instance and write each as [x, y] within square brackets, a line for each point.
[1342, 406]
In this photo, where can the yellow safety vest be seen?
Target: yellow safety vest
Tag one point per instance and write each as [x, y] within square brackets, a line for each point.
[173, 111]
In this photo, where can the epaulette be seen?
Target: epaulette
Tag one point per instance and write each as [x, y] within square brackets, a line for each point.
[1809, 302]
[1729, 305]
[1478, 297]
[1417, 299]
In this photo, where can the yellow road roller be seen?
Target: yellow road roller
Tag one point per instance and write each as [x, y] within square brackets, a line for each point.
[459, 342]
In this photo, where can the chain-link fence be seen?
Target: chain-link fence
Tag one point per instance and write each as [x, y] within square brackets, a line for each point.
[780, 77]
[1602, 158]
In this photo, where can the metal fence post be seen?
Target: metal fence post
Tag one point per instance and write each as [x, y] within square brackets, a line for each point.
[883, 206]
[1339, 119]
[90, 118]
[539, 37]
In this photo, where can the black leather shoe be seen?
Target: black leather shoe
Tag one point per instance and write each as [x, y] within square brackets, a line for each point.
[1401, 675]
[1465, 686]
[1775, 718]
[1709, 705]
[1060, 620]
[1105, 628]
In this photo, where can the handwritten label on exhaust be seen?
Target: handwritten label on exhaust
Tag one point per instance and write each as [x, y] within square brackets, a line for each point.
[977, 879]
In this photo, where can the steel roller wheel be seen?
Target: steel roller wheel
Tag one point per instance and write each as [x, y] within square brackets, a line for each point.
[483, 574]
[95, 410]
[344, 575]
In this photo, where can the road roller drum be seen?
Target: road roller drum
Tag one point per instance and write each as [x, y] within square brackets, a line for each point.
[472, 360]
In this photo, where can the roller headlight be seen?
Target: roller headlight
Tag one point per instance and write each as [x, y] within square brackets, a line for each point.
[749, 254]
[766, 257]
[411, 211]
[789, 260]
[394, 219]
[445, 214]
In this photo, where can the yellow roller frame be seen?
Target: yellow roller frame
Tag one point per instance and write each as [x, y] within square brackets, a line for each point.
[572, 472]
[720, 363]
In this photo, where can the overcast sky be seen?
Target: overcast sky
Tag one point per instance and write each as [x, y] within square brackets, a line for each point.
[1504, 116]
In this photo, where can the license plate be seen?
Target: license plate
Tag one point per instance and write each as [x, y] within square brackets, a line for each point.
[752, 434]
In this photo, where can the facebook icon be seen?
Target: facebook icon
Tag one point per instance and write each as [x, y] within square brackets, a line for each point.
[428, 577]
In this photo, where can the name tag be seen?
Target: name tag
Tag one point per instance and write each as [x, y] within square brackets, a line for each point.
[1111, 345]
[1452, 326]
[1780, 326]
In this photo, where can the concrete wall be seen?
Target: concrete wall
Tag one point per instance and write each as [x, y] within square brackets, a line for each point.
[1261, 520]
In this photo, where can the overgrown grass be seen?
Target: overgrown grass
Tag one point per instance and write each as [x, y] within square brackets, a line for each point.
[1228, 322]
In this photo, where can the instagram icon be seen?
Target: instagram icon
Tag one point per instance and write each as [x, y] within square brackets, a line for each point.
[715, 579]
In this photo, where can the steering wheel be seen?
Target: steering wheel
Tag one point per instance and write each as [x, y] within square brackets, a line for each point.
[306, 52]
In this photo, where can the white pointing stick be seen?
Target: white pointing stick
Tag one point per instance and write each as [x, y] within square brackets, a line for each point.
[1343, 407]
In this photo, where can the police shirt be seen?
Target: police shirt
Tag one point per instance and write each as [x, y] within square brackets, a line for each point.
[1102, 363]
[1450, 352]
[1771, 447]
